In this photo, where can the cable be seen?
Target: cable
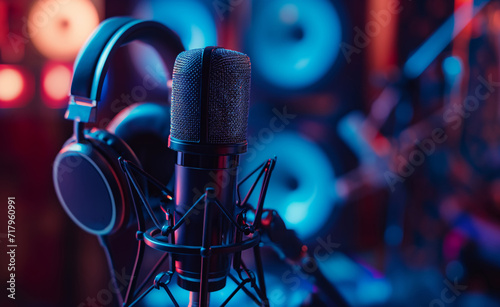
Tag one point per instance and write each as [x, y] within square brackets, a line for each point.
[103, 240]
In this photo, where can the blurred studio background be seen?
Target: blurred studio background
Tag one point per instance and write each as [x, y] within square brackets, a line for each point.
[383, 114]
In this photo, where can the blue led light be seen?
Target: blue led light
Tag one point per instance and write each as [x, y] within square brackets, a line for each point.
[432, 47]
[452, 66]
[350, 130]
[294, 43]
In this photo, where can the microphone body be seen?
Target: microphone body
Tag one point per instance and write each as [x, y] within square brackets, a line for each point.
[209, 119]
[193, 175]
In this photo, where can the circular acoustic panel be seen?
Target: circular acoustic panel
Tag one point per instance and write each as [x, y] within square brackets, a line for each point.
[302, 187]
[293, 44]
[190, 19]
[58, 29]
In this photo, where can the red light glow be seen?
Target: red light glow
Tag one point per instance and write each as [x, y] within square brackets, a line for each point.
[11, 84]
[59, 29]
[16, 86]
[56, 82]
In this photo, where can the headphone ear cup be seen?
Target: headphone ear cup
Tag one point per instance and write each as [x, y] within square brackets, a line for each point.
[90, 184]
[87, 187]
[145, 127]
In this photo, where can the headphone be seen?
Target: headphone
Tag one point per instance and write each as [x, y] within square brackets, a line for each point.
[87, 176]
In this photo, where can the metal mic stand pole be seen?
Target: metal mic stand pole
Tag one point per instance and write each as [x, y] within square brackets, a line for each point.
[194, 299]
[205, 248]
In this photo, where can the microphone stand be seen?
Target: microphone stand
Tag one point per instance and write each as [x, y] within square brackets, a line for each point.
[162, 237]
[247, 236]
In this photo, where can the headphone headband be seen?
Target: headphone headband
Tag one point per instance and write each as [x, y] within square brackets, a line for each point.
[93, 60]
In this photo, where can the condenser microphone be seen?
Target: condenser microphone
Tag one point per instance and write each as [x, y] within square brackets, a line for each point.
[208, 129]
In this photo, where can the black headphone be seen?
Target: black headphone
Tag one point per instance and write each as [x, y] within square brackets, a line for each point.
[87, 176]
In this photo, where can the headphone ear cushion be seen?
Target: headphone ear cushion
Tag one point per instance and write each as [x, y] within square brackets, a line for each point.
[112, 148]
[90, 184]
[145, 127]
[87, 187]
[113, 145]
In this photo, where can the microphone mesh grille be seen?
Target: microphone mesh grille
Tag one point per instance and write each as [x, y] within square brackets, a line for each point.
[186, 92]
[228, 97]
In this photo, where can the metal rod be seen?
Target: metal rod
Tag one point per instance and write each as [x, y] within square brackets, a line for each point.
[152, 179]
[142, 296]
[324, 284]
[78, 128]
[253, 172]
[172, 298]
[181, 221]
[238, 238]
[140, 244]
[140, 193]
[260, 273]
[226, 213]
[245, 200]
[171, 223]
[205, 250]
[153, 270]
[240, 286]
[135, 272]
[265, 184]
[252, 277]
[245, 289]
[194, 299]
